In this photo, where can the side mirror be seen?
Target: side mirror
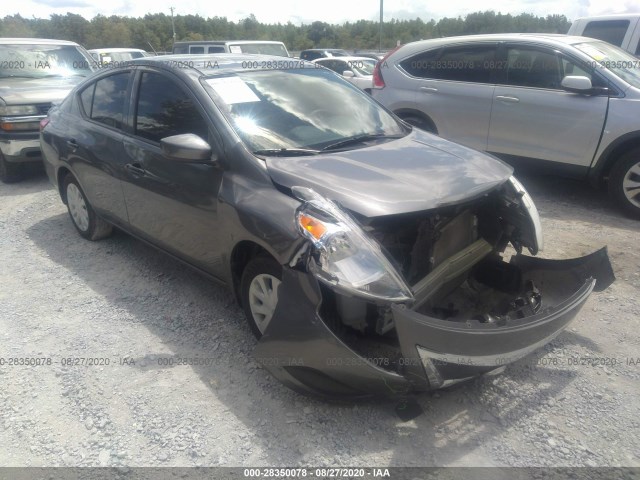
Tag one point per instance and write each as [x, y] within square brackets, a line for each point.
[186, 147]
[577, 84]
[348, 74]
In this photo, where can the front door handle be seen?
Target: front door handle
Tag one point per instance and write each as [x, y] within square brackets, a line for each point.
[507, 99]
[428, 89]
[72, 144]
[135, 169]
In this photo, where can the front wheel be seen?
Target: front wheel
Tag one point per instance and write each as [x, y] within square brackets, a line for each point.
[624, 182]
[10, 172]
[88, 224]
[259, 292]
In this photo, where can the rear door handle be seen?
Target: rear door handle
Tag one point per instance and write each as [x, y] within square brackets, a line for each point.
[506, 99]
[428, 89]
[72, 144]
[135, 169]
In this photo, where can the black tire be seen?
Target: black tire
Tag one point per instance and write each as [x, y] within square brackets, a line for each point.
[260, 265]
[419, 122]
[621, 170]
[10, 172]
[96, 228]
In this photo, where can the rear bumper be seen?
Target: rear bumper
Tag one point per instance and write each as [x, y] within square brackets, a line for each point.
[301, 351]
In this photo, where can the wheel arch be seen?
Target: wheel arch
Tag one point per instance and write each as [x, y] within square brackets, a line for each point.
[243, 252]
[402, 112]
[61, 174]
[600, 172]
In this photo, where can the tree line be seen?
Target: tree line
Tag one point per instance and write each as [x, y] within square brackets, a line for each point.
[155, 32]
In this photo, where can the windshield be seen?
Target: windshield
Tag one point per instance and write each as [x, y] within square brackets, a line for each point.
[276, 49]
[614, 59]
[298, 109]
[39, 61]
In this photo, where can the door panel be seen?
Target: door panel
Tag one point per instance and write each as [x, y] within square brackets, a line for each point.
[533, 117]
[172, 203]
[455, 87]
[93, 144]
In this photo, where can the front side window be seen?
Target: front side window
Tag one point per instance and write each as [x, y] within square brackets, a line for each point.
[164, 109]
[109, 99]
[196, 50]
[612, 31]
[529, 67]
[463, 64]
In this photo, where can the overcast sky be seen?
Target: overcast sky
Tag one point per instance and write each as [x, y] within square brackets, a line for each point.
[301, 11]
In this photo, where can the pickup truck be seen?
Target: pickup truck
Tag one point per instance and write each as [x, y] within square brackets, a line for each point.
[620, 30]
[35, 73]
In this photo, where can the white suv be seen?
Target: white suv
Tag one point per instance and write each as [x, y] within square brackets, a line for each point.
[566, 104]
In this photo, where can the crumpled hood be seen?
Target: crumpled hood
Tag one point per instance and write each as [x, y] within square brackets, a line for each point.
[414, 173]
[24, 91]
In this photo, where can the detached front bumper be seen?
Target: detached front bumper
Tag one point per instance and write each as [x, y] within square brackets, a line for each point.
[299, 349]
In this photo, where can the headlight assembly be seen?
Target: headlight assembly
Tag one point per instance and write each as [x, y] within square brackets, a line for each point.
[347, 258]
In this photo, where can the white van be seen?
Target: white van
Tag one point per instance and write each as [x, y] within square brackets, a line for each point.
[621, 30]
[263, 47]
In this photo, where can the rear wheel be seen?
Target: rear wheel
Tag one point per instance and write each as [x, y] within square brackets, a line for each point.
[84, 218]
[624, 182]
[259, 292]
[10, 172]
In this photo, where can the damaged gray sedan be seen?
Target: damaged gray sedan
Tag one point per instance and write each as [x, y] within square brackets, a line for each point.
[368, 256]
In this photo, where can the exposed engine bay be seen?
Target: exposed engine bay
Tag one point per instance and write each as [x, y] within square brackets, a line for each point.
[453, 260]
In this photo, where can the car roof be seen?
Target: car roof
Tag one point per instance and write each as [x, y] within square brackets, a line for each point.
[224, 42]
[556, 39]
[35, 41]
[104, 50]
[214, 64]
[611, 16]
[323, 50]
[344, 59]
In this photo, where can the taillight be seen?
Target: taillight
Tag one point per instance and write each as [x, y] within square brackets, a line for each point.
[43, 123]
[378, 81]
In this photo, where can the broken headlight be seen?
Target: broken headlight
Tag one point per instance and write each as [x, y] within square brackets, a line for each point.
[347, 258]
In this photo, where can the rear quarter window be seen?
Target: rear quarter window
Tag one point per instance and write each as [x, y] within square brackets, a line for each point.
[465, 64]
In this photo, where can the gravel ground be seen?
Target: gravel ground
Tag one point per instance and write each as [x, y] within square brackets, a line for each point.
[119, 299]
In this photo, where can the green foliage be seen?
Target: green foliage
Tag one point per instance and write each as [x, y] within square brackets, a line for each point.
[156, 29]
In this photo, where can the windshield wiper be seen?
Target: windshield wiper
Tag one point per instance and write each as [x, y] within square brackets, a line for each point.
[286, 152]
[358, 139]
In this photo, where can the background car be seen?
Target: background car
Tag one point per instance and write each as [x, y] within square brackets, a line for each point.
[568, 105]
[104, 56]
[34, 74]
[366, 254]
[356, 70]
[199, 47]
[313, 53]
[621, 30]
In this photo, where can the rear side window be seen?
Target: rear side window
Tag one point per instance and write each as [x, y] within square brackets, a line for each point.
[463, 64]
[612, 31]
[196, 50]
[164, 109]
[108, 99]
[216, 49]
